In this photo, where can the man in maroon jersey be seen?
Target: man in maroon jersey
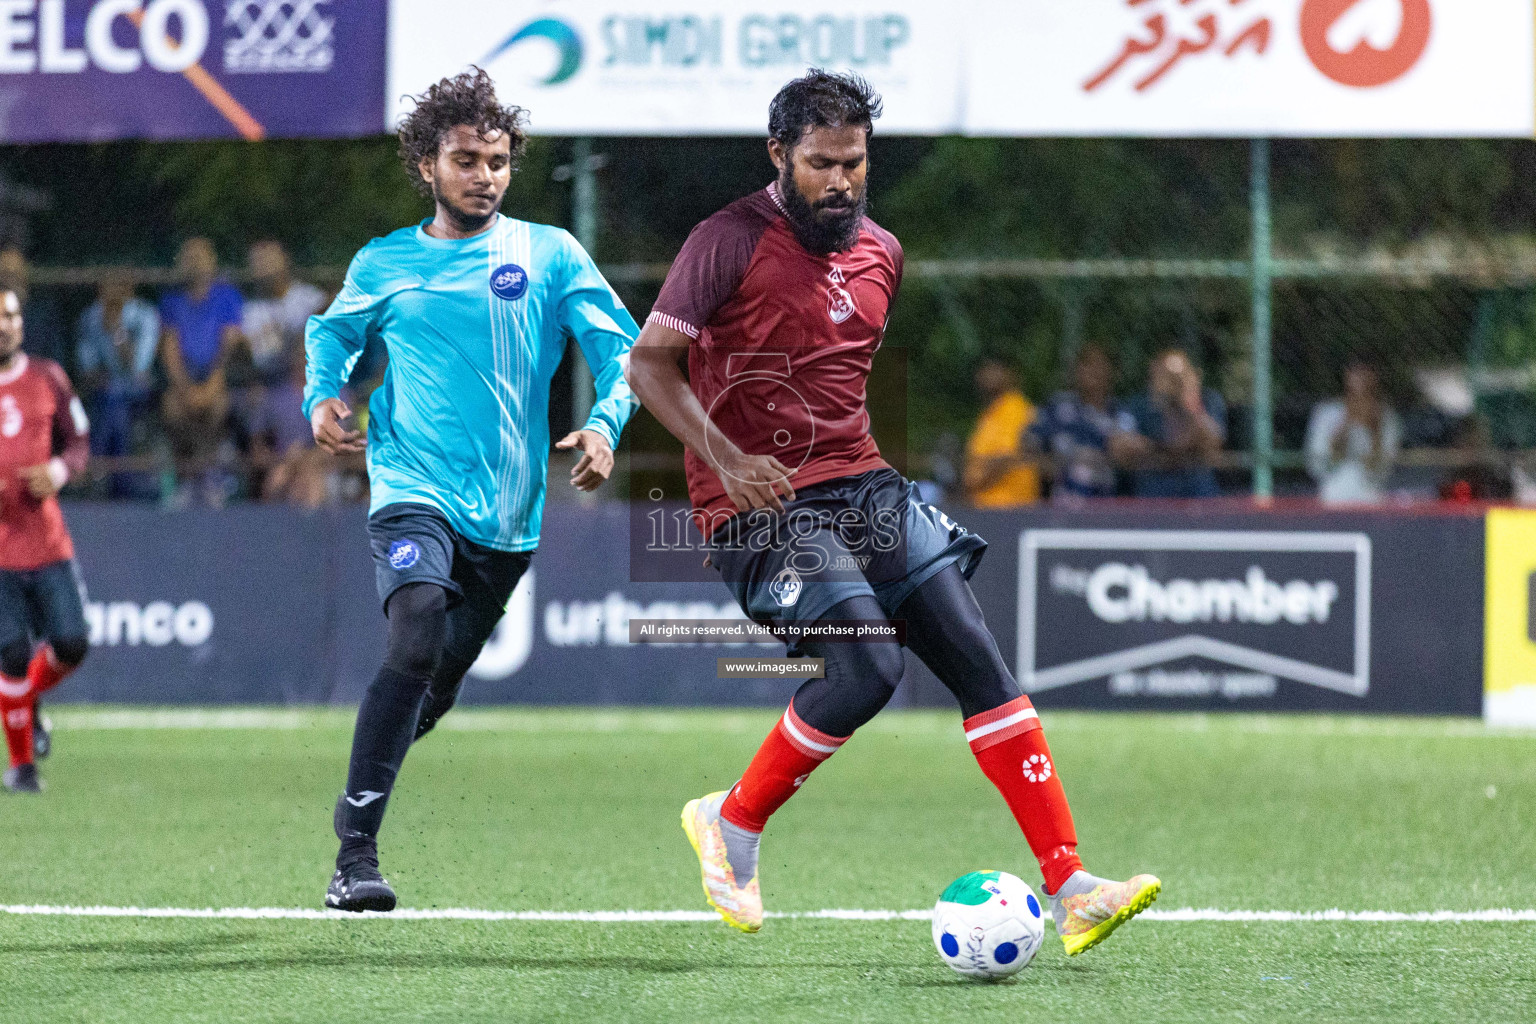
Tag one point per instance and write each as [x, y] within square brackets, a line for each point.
[779, 302]
[43, 442]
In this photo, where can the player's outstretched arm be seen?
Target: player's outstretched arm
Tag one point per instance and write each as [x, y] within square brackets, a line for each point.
[750, 481]
[70, 443]
[592, 313]
[333, 341]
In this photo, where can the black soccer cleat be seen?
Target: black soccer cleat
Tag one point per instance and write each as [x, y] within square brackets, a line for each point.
[42, 733]
[24, 779]
[358, 886]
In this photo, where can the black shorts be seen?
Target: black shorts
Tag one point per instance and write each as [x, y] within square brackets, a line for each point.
[870, 534]
[415, 544]
[47, 603]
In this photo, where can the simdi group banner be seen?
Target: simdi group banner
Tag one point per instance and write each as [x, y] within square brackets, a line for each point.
[683, 67]
[1412, 68]
[93, 70]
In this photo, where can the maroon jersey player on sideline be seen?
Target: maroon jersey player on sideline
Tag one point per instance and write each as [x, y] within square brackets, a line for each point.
[779, 302]
[43, 442]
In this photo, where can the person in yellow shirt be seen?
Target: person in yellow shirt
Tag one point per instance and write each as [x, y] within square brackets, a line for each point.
[999, 472]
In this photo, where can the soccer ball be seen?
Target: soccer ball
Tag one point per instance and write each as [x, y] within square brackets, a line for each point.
[988, 924]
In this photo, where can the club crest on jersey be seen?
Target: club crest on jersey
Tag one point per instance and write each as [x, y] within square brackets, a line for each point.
[509, 281]
[785, 588]
[403, 554]
[839, 301]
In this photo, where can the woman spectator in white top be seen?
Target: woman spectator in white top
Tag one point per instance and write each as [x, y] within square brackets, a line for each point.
[1353, 442]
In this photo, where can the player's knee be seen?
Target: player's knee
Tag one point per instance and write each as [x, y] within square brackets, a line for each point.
[882, 664]
[418, 625]
[975, 671]
[863, 679]
[972, 646]
[14, 657]
[70, 651]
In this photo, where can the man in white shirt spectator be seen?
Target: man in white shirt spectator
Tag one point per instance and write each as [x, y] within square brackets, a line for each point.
[272, 321]
[1353, 442]
[275, 312]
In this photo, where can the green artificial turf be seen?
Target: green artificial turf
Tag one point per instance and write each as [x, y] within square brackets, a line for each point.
[577, 811]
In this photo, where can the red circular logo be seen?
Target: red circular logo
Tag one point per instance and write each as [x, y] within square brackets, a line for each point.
[1363, 66]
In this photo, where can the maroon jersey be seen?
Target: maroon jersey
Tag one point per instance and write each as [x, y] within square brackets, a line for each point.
[41, 422]
[783, 341]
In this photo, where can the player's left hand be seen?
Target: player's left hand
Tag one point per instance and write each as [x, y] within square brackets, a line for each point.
[596, 462]
[40, 481]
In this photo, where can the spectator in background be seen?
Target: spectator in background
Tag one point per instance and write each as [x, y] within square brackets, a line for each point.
[115, 346]
[275, 313]
[1084, 432]
[945, 466]
[270, 408]
[1180, 426]
[45, 325]
[1353, 442]
[1481, 476]
[998, 471]
[200, 326]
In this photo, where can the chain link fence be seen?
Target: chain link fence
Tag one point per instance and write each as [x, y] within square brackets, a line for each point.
[1418, 257]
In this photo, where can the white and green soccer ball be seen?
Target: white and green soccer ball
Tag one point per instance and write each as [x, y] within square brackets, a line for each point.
[988, 924]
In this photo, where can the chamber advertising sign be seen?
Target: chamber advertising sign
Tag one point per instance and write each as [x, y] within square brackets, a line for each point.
[1195, 613]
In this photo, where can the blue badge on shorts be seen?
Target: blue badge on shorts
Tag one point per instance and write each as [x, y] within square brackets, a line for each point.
[403, 554]
[509, 281]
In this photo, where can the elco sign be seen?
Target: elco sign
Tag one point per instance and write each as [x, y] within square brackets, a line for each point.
[87, 70]
[1153, 612]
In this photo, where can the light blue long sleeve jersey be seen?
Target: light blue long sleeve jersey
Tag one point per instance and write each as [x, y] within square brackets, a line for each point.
[474, 329]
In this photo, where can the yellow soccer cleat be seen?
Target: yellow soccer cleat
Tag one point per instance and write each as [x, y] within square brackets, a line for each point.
[739, 906]
[1087, 919]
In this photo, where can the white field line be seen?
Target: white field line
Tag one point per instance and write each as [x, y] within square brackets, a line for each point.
[1184, 915]
[609, 720]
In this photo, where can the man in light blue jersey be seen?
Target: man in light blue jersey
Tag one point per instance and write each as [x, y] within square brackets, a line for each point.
[474, 309]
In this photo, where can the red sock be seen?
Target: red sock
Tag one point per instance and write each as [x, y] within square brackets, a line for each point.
[16, 715]
[46, 671]
[789, 754]
[1010, 747]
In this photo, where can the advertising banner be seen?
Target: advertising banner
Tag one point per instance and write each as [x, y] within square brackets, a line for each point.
[1241, 68]
[93, 70]
[269, 605]
[1338, 611]
[1118, 602]
[1253, 68]
[1511, 618]
[1122, 609]
[695, 67]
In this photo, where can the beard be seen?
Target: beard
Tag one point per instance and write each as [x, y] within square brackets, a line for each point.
[822, 229]
[463, 220]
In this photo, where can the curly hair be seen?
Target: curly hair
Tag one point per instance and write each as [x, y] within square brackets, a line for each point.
[468, 98]
[822, 99]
